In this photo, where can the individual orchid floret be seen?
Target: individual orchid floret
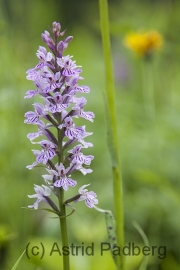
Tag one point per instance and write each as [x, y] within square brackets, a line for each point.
[81, 89]
[34, 117]
[71, 131]
[44, 57]
[58, 103]
[56, 30]
[60, 177]
[80, 140]
[78, 158]
[69, 67]
[79, 167]
[47, 153]
[46, 35]
[73, 81]
[43, 129]
[35, 74]
[52, 81]
[62, 45]
[41, 194]
[48, 40]
[42, 87]
[88, 196]
[85, 144]
[79, 111]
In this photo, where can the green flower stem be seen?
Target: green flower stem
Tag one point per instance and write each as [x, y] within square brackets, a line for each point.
[112, 130]
[62, 207]
[63, 224]
[148, 88]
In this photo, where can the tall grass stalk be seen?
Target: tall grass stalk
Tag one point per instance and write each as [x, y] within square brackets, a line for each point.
[112, 133]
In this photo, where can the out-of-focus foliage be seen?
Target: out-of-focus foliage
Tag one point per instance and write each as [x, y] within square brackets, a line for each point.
[149, 148]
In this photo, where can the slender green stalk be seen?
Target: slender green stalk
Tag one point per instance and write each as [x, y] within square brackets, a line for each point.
[148, 88]
[63, 223]
[112, 130]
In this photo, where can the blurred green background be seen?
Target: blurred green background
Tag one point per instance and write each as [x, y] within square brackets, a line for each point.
[149, 149]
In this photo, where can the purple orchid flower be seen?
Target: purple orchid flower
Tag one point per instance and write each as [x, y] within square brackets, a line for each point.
[56, 78]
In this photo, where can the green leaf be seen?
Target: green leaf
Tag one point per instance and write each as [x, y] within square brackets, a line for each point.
[144, 263]
[16, 264]
[54, 212]
[73, 210]
[49, 210]
[111, 229]
[46, 209]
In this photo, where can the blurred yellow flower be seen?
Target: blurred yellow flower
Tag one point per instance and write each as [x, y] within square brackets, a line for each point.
[144, 43]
